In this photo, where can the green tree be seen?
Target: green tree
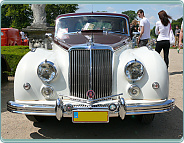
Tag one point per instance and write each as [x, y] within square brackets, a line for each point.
[5, 20]
[131, 14]
[176, 22]
[53, 10]
[20, 14]
[152, 32]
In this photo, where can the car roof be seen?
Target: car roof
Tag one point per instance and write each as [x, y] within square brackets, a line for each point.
[3, 29]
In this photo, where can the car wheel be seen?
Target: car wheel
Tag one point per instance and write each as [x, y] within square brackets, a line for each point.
[34, 118]
[146, 118]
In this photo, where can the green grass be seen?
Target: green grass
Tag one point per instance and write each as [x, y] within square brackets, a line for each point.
[13, 54]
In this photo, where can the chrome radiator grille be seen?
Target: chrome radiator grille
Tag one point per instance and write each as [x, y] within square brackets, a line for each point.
[90, 70]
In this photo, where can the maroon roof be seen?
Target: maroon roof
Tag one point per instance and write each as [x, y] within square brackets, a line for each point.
[95, 13]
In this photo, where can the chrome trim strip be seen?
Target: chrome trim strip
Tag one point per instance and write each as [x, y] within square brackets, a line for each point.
[81, 100]
[92, 47]
[58, 110]
[90, 69]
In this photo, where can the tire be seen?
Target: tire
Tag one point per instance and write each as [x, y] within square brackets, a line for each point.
[34, 118]
[4, 77]
[146, 118]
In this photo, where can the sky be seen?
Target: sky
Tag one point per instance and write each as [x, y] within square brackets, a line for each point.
[150, 10]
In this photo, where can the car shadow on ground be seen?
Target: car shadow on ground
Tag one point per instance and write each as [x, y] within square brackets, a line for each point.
[165, 126]
[7, 89]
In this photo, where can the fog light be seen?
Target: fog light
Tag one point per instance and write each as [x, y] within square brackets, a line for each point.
[155, 85]
[27, 86]
[112, 107]
[69, 107]
[47, 92]
[134, 90]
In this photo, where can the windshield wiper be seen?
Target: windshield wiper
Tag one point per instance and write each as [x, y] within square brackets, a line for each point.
[118, 32]
[92, 31]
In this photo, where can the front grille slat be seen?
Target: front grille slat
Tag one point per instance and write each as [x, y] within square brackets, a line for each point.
[101, 72]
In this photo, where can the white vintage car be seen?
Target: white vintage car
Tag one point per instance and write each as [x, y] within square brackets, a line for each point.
[92, 73]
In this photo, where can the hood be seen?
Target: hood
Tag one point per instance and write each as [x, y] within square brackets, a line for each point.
[73, 39]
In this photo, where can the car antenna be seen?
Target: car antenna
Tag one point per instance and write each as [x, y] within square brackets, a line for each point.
[92, 8]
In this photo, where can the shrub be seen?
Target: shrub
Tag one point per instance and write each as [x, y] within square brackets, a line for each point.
[13, 54]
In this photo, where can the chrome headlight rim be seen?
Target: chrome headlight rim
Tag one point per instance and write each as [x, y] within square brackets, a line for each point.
[132, 62]
[132, 89]
[46, 87]
[55, 71]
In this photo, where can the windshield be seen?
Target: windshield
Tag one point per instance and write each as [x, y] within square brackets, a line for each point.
[84, 23]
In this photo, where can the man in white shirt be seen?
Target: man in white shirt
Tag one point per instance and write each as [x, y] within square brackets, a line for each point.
[145, 29]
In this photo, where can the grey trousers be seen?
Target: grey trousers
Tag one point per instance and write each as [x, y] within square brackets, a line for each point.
[143, 42]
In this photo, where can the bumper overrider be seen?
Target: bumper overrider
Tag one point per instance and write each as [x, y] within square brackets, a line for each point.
[83, 110]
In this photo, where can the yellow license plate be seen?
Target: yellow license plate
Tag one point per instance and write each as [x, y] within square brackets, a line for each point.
[90, 117]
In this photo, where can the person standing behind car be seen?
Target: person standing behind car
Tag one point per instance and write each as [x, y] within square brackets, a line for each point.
[144, 29]
[163, 31]
[181, 38]
[177, 33]
[133, 27]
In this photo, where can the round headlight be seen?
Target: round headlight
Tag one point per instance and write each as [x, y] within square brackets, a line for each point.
[134, 70]
[46, 71]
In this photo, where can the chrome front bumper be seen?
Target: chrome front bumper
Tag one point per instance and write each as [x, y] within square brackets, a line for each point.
[64, 108]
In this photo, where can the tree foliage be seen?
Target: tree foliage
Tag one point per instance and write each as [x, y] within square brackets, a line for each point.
[5, 20]
[131, 14]
[176, 22]
[20, 15]
[152, 32]
[53, 10]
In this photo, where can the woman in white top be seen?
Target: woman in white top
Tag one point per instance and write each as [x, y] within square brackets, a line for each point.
[181, 38]
[163, 31]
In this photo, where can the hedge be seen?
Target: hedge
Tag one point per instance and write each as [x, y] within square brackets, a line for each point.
[13, 54]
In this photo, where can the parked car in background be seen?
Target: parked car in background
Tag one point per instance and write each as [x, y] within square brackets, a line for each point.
[11, 37]
[92, 73]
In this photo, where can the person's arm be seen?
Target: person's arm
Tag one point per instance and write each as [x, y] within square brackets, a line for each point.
[156, 30]
[142, 31]
[181, 37]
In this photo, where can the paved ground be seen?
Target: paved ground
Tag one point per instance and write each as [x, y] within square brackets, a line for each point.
[165, 126]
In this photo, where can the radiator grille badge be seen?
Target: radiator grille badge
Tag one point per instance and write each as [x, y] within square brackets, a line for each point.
[90, 94]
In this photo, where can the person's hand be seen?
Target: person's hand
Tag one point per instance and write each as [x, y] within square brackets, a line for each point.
[138, 39]
[158, 32]
[180, 44]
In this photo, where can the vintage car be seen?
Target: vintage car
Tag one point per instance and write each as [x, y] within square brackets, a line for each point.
[92, 73]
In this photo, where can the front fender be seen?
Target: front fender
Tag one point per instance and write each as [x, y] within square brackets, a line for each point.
[155, 70]
[26, 72]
